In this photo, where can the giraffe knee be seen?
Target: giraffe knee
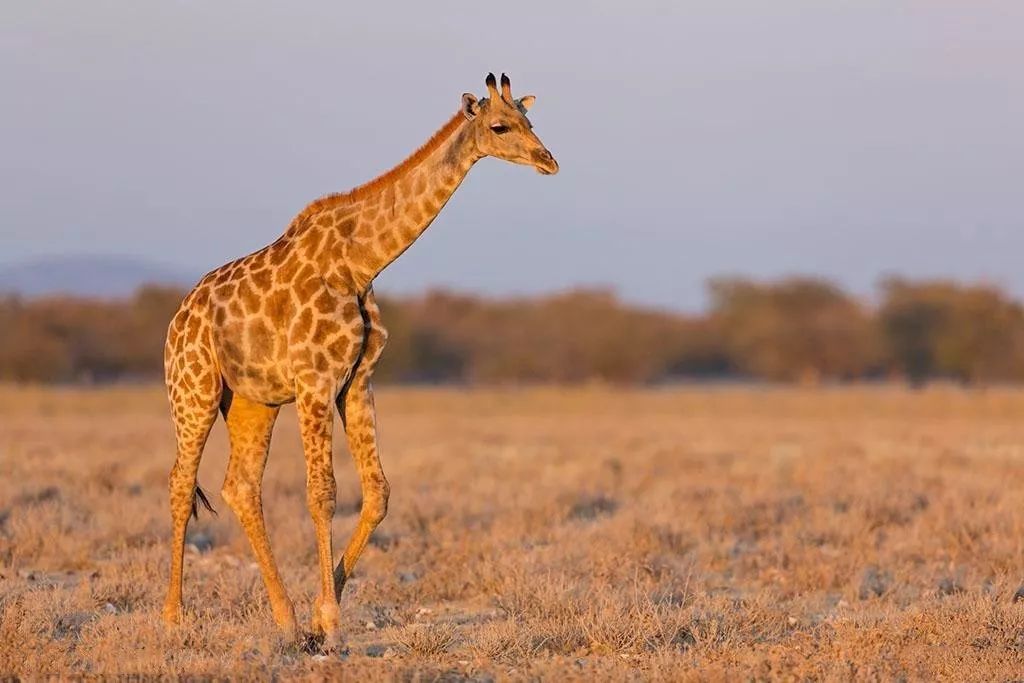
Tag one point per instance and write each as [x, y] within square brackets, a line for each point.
[322, 507]
[322, 498]
[181, 487]
[239, 496]
[375, 505]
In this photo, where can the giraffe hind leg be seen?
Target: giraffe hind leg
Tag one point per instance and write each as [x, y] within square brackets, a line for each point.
[361, 431]
[183, 496]
[194, 411]
[358, 415]
[250, 425]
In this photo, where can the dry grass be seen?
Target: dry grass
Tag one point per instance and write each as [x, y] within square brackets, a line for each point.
[567, 535]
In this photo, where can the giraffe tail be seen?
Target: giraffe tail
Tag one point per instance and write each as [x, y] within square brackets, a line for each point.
[200, 497]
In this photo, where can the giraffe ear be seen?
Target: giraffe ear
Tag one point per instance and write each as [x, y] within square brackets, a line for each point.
[525, 102]
[470, 106]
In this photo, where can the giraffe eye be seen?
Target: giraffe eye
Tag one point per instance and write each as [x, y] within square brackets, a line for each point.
[500, 129]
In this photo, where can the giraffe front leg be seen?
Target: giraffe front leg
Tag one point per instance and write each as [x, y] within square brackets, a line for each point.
[359, 417]
[360, 426]
[316, 421]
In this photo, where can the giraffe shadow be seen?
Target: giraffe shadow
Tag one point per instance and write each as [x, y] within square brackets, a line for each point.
[314, 644]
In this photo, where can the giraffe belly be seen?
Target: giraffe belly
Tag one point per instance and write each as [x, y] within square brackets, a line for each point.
[259, 387]
[254, 362]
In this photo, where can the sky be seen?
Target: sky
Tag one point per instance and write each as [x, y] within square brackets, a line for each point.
[844, 138]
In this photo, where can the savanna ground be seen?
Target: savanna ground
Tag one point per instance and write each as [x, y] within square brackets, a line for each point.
[695, 533]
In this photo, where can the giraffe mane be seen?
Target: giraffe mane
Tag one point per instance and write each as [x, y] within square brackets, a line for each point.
[366, 189]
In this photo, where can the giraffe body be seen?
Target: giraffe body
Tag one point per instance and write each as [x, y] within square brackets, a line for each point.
[297, 322]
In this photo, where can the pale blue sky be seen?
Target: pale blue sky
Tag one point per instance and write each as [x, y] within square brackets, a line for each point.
[848, 138]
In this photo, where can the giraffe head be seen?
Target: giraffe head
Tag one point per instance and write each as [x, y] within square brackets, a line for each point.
[500, 127]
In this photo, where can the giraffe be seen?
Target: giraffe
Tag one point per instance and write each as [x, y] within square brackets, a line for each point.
[297, 322]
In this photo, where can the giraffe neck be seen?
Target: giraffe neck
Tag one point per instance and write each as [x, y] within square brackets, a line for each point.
[381, 219]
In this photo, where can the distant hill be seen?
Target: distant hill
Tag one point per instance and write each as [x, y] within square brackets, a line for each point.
[101, 276]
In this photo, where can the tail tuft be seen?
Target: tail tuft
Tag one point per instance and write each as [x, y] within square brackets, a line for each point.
[200, 497]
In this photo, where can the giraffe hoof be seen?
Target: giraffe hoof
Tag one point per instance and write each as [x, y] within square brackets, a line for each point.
[326, 622]
[326, 617]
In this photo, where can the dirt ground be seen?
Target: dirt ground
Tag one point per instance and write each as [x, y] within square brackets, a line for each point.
[590, 534]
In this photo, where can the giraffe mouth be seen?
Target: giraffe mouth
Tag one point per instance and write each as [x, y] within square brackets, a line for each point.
[545, 163]
[548, 168]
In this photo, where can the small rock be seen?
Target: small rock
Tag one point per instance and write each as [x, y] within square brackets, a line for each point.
[70, 625]
[109, 608]
[592, 507]
[874, 583]
[42, 496]
[201, 541]
[1019, 595]
[407, 577]
[792, 621]
[684, 638]
[376, 650]
[382, 541]
[370, 626]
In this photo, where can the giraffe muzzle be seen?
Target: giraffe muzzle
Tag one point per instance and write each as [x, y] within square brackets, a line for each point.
[544, 162]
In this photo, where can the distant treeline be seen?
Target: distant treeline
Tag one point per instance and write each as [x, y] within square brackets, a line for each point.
[791, 330]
